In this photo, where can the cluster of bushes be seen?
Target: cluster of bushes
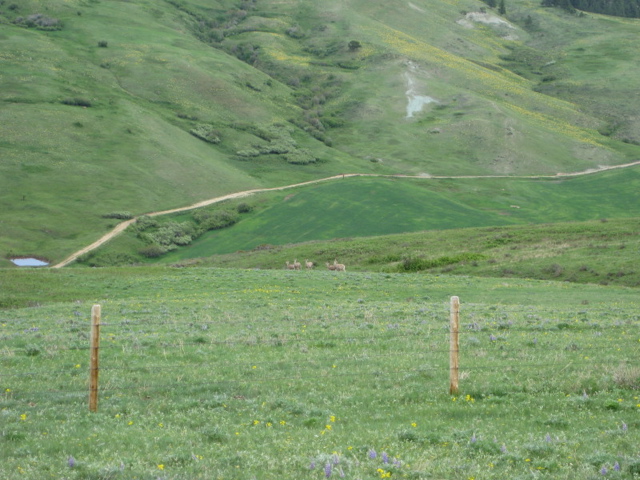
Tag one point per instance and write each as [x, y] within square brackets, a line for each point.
[206, 133]
[118, 215]
[161, 238]
[278, 142]
[39, 21]
[416, 264]
[78, 102]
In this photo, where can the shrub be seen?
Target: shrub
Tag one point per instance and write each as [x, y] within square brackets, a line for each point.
[78, 102]
[295, 32]
[206, 133]
[172, 234]
[152, 251]
[244, 207]
[300, 157]
[354, 45]
[416, 264]
[144, 222]
[249, 152]
[215, 220]
[39, 21]
[118, 215]
[103, 44]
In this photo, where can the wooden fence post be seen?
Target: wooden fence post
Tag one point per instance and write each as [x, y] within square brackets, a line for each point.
[454, 351]
[95, 348]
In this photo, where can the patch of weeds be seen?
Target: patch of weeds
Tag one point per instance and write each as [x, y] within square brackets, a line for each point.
[206, 133]
[214, 434]
[77, 102]
[39, 22]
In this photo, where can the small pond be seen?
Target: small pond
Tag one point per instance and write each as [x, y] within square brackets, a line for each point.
[29, 262]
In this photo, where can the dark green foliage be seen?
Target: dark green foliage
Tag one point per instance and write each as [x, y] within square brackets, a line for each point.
[208, 220]
[300, 157]
[144, 222]
[244, 207]
[39, 21]
[78, 102]
[416, 264]
[118, 215]
[103, 44]
[296, 32]
[206, 133]
[152, 251]
[354, 45]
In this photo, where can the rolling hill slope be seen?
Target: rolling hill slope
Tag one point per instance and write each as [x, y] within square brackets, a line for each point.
[113, 107]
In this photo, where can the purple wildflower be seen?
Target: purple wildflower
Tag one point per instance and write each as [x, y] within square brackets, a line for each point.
[616, 467]
[336, 459]
[603, 470]
[71, 461]
[397, 462]
[473, 438]
[385, 457]
[503, 448]
[547, 438]
[327, 470]
[341, 472]
[492, 337]
[312, 465]
[372, 454]
[624, 427]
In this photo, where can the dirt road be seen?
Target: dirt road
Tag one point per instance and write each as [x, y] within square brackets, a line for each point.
[122, 226]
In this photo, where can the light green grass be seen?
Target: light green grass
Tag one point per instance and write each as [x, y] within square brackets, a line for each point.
[215, 373]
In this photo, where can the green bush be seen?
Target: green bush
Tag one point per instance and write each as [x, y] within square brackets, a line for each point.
[39, 21]
[119, 215]
[215, 220]
[145, 222]
[152, 251]
[300, 157]
[244, 207]
[206, 133]
[416, 264]
[78, 102]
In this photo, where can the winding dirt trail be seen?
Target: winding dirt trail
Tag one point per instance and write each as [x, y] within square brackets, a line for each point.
[123, 225]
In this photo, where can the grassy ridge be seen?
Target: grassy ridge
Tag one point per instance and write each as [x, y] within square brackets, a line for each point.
[603, 252]
[209, 373]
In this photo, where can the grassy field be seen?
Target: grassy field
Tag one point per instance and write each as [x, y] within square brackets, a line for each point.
[219, 373]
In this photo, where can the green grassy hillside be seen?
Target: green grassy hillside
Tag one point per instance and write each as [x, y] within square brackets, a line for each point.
[140, 106]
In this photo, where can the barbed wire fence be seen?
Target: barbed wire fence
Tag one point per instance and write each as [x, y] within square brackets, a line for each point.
[134, 357]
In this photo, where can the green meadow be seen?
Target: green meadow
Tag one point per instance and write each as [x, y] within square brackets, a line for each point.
[222, 373]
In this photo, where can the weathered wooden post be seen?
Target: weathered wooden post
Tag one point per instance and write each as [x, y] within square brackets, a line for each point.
[454, 351]
[93, 368]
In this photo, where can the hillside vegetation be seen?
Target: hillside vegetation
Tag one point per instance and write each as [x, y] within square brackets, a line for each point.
[138, 106]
